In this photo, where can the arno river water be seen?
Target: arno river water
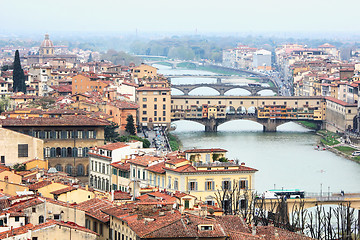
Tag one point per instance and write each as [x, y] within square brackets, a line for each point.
[285, 159]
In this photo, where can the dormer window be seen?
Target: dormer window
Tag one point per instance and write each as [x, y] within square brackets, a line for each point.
[206, 227]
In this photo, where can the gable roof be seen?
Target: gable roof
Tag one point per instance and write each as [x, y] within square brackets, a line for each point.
[94, 207]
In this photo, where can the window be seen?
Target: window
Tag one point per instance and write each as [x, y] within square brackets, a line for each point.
[57, 216]
[176, 184]
[47, 152]
[164, 113]
[91, 134]
[87, 223]
[144, 175]
[164, 107]
[34, 238]
[95, 227]
[144, 112]
[226, 185]
[23, 150]
[243, 184]
[155, 106]
[33, 210]
[2, 159]
[144, 119]
[155, 113]
[115, 171]
[209, 185]
[80, 134]
[80, 152]
[169, 182]
[17, 218]
[155, 99]
[164, 99]
[41, 219]
[192, 186]
[101, 229]
[144, 99]
[47, 134]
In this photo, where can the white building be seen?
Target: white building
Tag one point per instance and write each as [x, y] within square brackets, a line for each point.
[262, 58]
[101, 157]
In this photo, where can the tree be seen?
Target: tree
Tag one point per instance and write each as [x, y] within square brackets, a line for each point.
[18, 75]
[130, 128]
[4, 104]
[110, 132]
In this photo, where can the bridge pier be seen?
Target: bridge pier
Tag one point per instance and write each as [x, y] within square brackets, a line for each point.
[270, 125]
[211, 125]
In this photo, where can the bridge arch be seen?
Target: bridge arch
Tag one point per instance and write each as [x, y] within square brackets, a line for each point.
[233, 91]
[191, 92]
[266, 92]
[176, 91]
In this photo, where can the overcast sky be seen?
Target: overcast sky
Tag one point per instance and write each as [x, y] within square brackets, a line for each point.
[179, 15]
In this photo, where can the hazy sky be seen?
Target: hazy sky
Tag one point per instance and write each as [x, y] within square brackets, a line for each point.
[179, 15]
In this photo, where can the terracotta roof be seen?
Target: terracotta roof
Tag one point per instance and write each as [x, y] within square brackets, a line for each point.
[188, 168]
[124, 104]
[39, 185]
[16, 231]
[335, 100]
[94, 207]
[175, 225]
[204, 150]
[119, 195]
[71, 225]
[63, 121]
[153, 89]
[160, 196]
[120, 165]
[144, 160]
[63, 190]
[158, 168]
[114, 146]
[274, 233]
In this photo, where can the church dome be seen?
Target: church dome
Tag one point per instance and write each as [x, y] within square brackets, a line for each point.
[47, 42]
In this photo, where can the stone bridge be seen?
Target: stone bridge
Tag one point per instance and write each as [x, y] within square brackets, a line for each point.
[269, 125]
[222, 88]
[243, 107]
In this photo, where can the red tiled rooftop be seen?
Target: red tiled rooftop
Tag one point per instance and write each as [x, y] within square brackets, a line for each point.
[39, 185]
[94, 207]
[114, 146]
[63, 121]
[63, 190]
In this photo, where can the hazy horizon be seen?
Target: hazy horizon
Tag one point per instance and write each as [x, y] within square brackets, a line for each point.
[162, 17]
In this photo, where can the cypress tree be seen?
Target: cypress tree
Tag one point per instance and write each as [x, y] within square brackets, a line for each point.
[130, 128]
[18, 75]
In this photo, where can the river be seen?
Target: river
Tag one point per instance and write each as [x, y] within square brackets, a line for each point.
[285, 159]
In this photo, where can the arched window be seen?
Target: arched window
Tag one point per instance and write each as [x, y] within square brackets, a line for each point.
[58, 152]
[69, 152]
[41, 219]
[75, 152]
[103, 184]
[95, 182]
[59, 167]
[99, 183]
[63, 152]
[80, 170]
[68, 169]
